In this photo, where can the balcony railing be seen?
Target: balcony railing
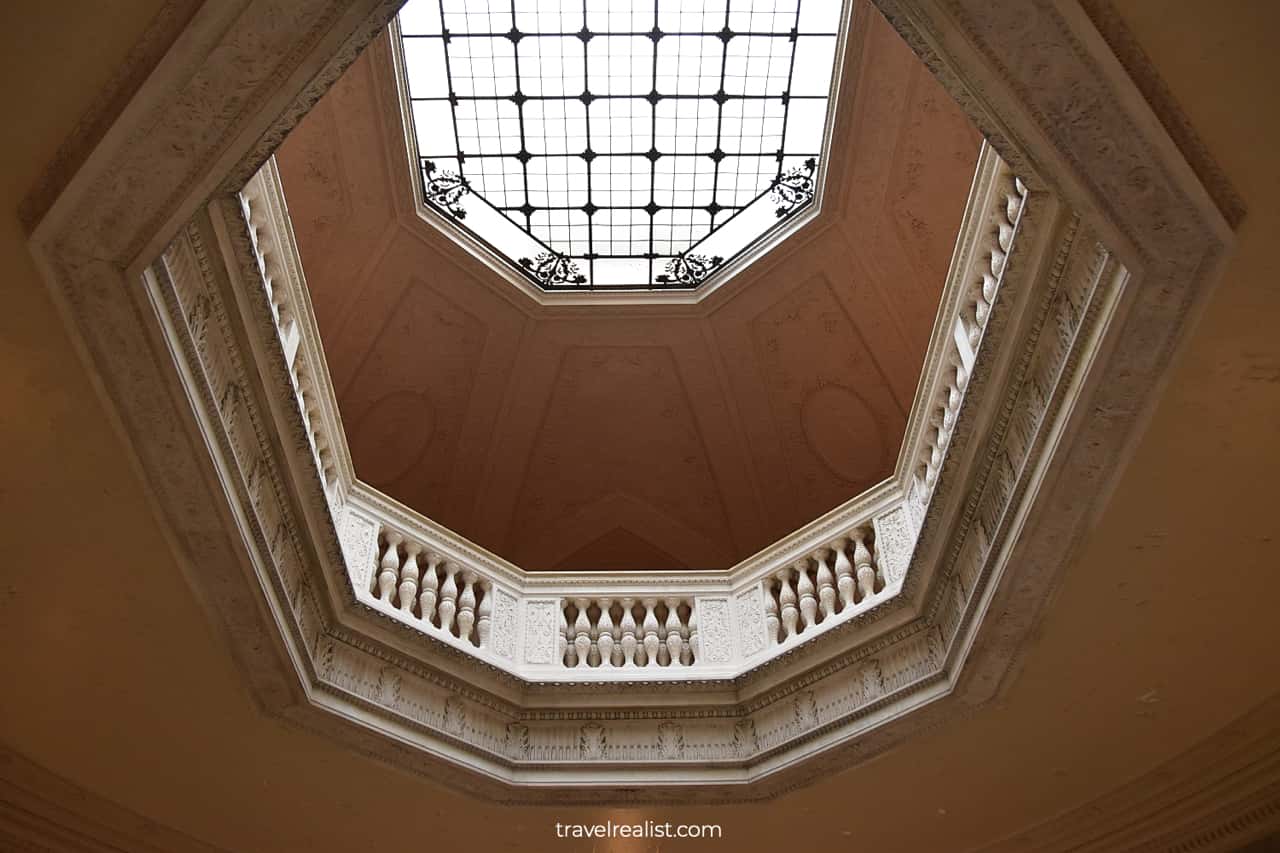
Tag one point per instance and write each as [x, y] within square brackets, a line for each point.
[591, 626]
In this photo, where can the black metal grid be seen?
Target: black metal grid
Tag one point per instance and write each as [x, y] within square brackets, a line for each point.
[643, 143]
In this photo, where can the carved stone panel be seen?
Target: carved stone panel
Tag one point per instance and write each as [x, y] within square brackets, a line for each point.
[360, 547]
[714, 630]
[505, 618]
[540, 631]
[749, 610]
[894, 543]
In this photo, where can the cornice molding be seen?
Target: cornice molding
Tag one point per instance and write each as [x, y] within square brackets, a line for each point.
[820, 700]
[202, 388]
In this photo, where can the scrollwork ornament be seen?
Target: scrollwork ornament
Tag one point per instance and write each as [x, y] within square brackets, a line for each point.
[551, 268]
[690, 269]
[445, 189]
[794, 188]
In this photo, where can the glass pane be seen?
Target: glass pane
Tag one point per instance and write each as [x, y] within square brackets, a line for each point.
[811, 74]
[425, 68]
[757, 65]
[820, 16]
[805, 126]
[620, 65]
[420, 18]
[433, 123]
[477, 16]
[689, 65]
[707, 16]
[621, 126]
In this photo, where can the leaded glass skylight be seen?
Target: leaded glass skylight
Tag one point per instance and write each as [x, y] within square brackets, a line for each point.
[620, 144]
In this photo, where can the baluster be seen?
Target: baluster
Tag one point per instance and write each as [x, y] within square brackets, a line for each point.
[484, 613]
[998, 257]
[808, 601]
[604, 633]
[787, 599]
[615, 635]
[582, 633]
[409, 579]
[467, 605]
[693, 646]
[562, 637]
[954, 398]
[988, 290]
[826, 585]
[862, 562]
[844, 574]
[389, 572]
[430, 586]
[675, 642]
[448, 597]
[1004, 233]
[770, 612]
[1016, 199]
[651, 642]
[628, 632]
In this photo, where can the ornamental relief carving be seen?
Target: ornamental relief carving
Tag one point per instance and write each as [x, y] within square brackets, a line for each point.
[745, 742]
[387, 680]
[894, 544]
[505, 612]
[592, 741]
[750, 612]
[360, 547]
[715, 632]
[842, 694]
[454, 719]
[517, 740]
[670, 741]
[540, 631]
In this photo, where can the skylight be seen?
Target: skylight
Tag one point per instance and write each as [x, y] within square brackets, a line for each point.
[620, 144]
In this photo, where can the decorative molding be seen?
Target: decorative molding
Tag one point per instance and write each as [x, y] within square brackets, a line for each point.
[388, 674]
[751, 628]
[715, 631]
[540, 631]
[193, 368]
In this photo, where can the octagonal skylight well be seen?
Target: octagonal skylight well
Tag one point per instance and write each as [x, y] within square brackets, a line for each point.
[634, 145]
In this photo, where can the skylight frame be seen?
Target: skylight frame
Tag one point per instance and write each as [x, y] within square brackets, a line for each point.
[789, 203]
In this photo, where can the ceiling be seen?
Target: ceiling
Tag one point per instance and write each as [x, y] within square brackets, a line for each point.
[633, 437]
[123, 688]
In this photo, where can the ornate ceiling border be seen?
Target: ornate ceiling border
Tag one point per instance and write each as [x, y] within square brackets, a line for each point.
[1037, 78]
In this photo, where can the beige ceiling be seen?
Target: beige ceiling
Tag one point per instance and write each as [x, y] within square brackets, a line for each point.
[1162, 632]
[633, 438]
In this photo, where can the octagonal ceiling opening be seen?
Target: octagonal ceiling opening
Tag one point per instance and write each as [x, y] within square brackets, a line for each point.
[621, 146]
[625, 435]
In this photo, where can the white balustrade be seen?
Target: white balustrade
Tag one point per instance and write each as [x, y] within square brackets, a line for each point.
[1000, 212]
[808, 594]
[431, 592]
[584, 626]
[602, 632]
